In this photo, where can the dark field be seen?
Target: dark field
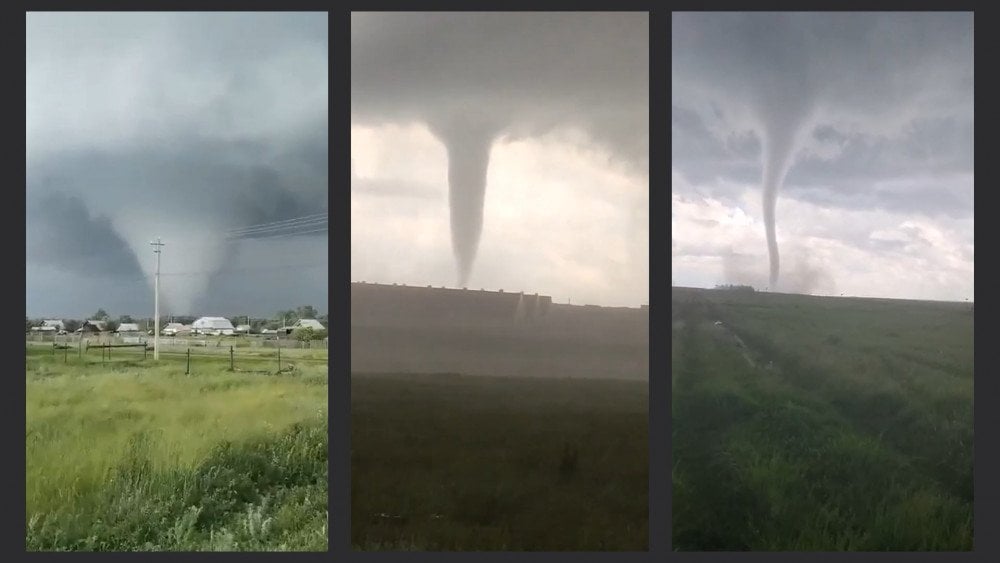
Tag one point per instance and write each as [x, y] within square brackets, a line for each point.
[808, 423]
[448, 462]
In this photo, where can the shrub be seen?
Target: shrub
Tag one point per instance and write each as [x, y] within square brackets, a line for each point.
[303, 334]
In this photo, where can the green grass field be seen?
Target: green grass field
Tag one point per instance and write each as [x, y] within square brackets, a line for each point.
[448, 462]
[808, 423]
[134, 455]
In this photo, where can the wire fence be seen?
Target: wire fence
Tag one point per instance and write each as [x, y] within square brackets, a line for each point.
[262, 360]
[167, 342]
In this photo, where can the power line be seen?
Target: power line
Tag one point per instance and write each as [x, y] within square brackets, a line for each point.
[291, 234]
[229, 243]
[288, 227]
[298, 226]
[244, 270]
[279, 233]
[304, 218]
[277, 228]
[227, 271]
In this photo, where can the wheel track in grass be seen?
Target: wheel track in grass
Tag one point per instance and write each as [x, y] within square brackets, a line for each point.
[694, 440]
[873, 421]
[712, 510]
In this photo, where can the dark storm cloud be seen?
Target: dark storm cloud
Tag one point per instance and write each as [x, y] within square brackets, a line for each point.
[851, 111]
[180, 125]
[474, 78]
[62, 233]
[702, 155]
[850, 179]
[529, 72]
[889, 96]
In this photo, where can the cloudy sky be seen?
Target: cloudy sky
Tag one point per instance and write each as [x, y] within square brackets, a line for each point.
[183, 126]
[869, 119]
[542, 116]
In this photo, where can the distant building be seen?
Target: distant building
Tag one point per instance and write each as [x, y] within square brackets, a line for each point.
[245, 329]
[213, 326]
[301, 323]
[309, 323]
[173, 329]
[128, 327]
[92, 326]
[399, 305]
[50, 326]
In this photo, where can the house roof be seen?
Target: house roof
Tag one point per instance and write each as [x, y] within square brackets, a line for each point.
[309, 323]
[128, 327]
[213, 322]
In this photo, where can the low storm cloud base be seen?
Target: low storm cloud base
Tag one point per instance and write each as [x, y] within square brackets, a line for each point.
[181, 126]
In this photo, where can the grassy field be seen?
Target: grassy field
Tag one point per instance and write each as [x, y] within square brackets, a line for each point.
[808, 423]
[448, 462]
[132, 455]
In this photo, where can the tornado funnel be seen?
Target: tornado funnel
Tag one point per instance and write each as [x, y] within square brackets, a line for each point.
[780, 135]
[468, 143]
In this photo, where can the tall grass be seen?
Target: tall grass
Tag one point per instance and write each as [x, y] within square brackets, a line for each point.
[859, 437]
[132, 455]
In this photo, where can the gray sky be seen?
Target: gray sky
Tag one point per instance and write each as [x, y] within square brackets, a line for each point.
[182, 126]
[877, 109]
[563, 101]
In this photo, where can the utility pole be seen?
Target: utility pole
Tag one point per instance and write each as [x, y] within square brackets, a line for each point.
[156, 300]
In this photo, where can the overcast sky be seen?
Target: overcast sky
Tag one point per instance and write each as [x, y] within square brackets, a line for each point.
[182, 126]
[878, 108]
[559, 103]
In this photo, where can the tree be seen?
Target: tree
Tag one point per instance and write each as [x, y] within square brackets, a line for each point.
[27, 324]
[303, 334]
[319, 334]
[71, 325]
[100, 315]
[287, 317]
[112, 325]
[125, 319]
